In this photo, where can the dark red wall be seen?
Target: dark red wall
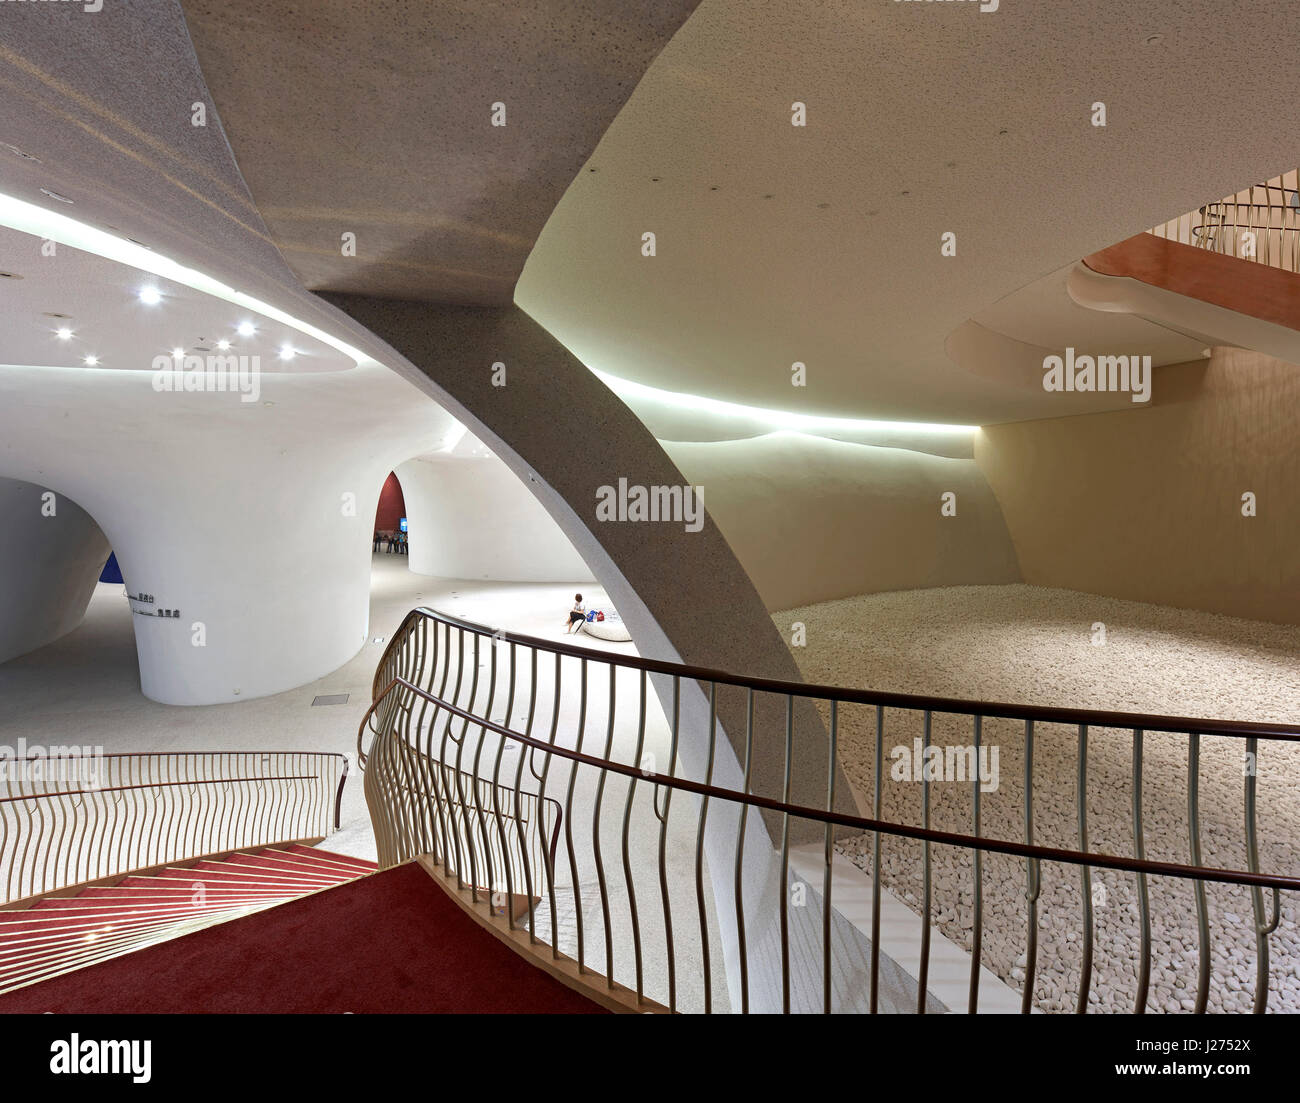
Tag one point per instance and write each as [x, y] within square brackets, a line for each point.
[392, 506]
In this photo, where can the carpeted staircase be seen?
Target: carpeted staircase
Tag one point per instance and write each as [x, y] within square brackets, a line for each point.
[60, 933]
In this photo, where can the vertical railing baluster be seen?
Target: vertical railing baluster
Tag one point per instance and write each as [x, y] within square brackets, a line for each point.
[923, 977]
[595, 831]
[524, 751]
[627, 859]
[1262, 928]
[785, 856]
[1033, 875]
[1144, 896]
[1198, 887]
[977, 926]
[541, 796]
[740, 852]
[701, 906]
[665, 896]
[568, 816]
[1085, 872]
[876, 879]
[831, 759]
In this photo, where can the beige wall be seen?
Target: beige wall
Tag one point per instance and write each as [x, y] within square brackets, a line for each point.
[812, 519]
[1146, 504]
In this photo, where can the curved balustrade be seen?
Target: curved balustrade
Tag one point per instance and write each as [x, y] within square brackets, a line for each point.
[469, 724]
[1260, 223]
[70, 818]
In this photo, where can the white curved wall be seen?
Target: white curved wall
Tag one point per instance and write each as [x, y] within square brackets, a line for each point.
[471, 517]
[253, 520]
[813, 519]
[49, 564]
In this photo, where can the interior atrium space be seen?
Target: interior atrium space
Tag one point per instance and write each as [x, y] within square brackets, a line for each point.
[772, 511]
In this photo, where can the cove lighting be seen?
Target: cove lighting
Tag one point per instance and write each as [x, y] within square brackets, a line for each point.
[28, 218]
[778, 419]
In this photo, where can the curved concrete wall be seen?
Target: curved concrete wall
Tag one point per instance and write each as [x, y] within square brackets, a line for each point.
[1147, 504]
[48, 566]
[812, 519]
[473, 518]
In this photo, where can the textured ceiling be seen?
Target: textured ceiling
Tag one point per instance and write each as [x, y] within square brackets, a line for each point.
[778, 244]
[375, 120]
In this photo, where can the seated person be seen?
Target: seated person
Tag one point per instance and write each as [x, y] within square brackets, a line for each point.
[577, 615]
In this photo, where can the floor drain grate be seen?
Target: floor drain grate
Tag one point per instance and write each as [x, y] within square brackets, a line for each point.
[330, 699]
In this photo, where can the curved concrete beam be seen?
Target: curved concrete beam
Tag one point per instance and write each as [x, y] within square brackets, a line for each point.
[683, 594]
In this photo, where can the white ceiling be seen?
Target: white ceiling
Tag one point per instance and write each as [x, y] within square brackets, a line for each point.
[778, 244]
[108, 320]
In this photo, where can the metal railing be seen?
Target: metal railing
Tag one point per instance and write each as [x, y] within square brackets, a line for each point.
[1260, 223]
[70, 818]
[449, 688]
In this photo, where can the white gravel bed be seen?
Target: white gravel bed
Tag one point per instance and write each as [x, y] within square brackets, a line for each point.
[1032, 645]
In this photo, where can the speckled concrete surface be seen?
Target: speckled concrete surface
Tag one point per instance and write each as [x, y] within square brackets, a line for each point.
[1035, 646]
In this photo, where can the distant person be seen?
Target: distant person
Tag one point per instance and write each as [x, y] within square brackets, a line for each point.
[379, 536]
[577, 615]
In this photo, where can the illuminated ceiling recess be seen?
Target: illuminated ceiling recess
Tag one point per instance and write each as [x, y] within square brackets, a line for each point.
[31, 219]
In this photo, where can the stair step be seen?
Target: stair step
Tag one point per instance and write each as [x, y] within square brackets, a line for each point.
[60, 934]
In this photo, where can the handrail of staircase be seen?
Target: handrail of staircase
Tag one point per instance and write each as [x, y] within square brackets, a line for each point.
[127, 810]
[1045, 714]
[1273, 229]
[429, 690]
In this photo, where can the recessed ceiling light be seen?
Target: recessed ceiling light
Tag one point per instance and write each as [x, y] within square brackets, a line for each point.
[56, 314]
[56, 196]
[10, 276]
[178, 352]
[246, 329]
[287, 352]
[64, 333]
[90, 361]
[20, 152]
[150, 296]
[223, 344]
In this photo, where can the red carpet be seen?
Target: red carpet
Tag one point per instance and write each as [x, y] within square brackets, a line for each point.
[391, 942]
